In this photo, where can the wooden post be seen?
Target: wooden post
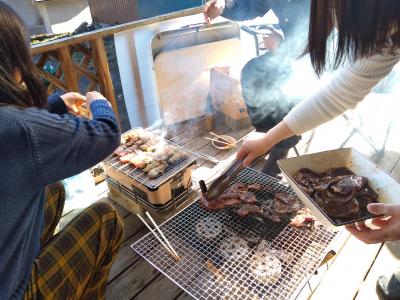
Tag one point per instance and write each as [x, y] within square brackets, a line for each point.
[103, 72]
[67, 65]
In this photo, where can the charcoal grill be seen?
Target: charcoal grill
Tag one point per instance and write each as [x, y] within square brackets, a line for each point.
[212, 268]
[158, 193]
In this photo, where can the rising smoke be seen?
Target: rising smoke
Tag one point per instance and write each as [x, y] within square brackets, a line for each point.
[273, 83]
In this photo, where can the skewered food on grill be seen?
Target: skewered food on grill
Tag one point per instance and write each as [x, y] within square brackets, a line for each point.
[339, 192]
[148, 152]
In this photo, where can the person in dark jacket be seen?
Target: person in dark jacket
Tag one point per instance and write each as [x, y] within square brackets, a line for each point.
[42, 144]
[262, 77]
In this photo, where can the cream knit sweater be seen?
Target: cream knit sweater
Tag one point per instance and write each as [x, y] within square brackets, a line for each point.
[348, 87]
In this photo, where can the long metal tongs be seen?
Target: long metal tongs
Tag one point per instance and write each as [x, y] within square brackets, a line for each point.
[221, 183]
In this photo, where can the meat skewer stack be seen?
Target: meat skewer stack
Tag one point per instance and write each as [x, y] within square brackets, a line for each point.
[147, 152]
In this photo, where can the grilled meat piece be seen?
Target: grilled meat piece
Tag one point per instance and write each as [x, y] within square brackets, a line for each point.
[120, 150]
[334, 197]
[217, 204]
[349, 184]
[236, 194]
[305, 178]
[270, 214]
[285, 203]
[338, 191]
[303, 219]
[254, 187]
[151, 165]
[324, 183]
[249, 209]
[366, 196]
[337, 209]
[157, 171]
[126, 158]
[337, 172]
[247, 197]
[175, 158]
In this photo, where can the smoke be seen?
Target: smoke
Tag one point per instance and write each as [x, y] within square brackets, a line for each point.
[273, 83]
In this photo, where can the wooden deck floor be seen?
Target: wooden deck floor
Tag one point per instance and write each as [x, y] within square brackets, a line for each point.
[356, 265]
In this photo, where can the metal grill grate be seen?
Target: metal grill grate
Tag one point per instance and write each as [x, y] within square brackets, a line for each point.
[224, 257]
[142, 178]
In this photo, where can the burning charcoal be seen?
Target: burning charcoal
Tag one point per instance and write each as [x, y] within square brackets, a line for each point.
[285, 203]
[249, 209]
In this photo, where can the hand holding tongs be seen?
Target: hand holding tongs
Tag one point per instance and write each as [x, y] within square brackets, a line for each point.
[221, 183]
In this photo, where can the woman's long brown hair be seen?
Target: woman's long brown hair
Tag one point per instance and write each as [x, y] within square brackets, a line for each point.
[363, 29]
[15, 57]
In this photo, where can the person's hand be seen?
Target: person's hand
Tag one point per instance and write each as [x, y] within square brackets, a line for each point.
[388, 227]
[259, 143]
[91, 96]
[213, 9]
[73, 101]
[254, 145]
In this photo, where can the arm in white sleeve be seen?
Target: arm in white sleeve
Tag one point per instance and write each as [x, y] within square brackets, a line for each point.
[348, 87]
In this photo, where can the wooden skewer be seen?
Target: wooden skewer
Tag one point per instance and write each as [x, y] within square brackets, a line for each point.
[163, 236]
[174, 255]
[217, 141]
[220, 137]
[123, 166]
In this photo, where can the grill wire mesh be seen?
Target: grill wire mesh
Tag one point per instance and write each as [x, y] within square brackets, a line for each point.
[140, 176]
[224, 257]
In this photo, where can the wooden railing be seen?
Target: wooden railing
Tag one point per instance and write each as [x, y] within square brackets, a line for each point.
[84, 55]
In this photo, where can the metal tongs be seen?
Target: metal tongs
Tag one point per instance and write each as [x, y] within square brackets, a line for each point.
[221, 183]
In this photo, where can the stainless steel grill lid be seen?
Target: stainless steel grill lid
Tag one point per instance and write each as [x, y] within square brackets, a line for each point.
[247, 259]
